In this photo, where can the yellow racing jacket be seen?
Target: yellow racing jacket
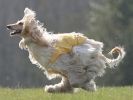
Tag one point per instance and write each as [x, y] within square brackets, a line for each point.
[65, 43]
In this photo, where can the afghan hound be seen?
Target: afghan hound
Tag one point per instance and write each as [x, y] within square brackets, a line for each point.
[73, 57]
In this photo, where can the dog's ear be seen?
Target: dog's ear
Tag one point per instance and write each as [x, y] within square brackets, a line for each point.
[29, 12]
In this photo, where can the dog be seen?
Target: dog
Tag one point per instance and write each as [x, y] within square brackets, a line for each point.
[76, 64]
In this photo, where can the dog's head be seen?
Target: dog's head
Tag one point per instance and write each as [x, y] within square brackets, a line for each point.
[23, 26]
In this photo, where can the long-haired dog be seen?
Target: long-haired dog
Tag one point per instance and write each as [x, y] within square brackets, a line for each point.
[77, 68]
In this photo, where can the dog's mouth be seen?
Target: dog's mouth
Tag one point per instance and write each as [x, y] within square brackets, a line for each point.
[14, 31]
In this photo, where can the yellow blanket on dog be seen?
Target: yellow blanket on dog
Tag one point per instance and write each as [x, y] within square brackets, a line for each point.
[65, 43]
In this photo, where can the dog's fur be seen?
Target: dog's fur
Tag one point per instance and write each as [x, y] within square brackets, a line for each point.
[76, 69]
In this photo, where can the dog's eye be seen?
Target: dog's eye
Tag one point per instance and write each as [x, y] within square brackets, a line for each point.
[20, 23]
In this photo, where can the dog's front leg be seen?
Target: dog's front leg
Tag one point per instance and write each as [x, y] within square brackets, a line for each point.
[63, 86]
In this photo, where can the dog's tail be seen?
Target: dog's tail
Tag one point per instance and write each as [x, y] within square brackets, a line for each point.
[115, 61]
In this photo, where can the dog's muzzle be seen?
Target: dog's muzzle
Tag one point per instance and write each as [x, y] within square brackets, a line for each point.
[13, 31]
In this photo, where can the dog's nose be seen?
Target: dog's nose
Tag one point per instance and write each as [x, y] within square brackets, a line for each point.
[8, 26]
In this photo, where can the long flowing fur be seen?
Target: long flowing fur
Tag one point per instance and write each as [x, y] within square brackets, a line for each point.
[76, 69]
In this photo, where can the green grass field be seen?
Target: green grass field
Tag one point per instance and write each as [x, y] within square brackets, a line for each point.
[108, 93]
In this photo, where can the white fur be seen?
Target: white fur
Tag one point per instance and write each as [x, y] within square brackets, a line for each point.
[77, 69]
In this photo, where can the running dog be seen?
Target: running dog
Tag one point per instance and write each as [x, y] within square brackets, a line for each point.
[73, 57]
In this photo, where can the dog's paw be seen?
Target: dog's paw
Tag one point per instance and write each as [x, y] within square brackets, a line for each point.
[49, 88]
[57, 89]
[90, 86]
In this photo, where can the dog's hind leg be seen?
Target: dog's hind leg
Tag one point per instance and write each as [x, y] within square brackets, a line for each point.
[90, 86]
[63, 86]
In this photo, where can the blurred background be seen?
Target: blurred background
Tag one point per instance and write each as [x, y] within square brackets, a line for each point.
[109, 21]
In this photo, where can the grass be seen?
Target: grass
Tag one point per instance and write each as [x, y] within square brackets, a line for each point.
[108, 93]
